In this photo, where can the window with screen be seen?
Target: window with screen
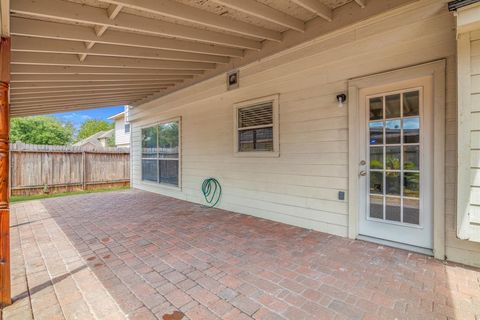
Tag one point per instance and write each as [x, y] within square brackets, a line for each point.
[257, 127]
[127, 127]
[161, 153]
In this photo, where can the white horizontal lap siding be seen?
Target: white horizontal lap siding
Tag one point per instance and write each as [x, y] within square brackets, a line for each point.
[301, 186]
[475, 138]
[121, 138]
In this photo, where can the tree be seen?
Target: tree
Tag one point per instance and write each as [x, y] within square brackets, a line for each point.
[111, 141]
[41, 130]
[93, 126]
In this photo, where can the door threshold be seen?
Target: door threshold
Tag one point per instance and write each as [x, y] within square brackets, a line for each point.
[399, 245]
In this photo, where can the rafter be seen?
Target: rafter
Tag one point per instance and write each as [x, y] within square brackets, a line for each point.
[78, 100]
[75, 12]
[63, 31]
[101, 61]
[36, 69]
[79, 97]
[86, 84]
[27, 44]
[44, 109]
[112, 12]
[4, 18]
[79, 92]
[265, 12]
[51, 105]
[361, 3]
[317, 7]
[187, 13]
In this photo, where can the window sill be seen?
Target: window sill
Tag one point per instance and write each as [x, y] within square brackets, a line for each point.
[253, 154]
[161, 185]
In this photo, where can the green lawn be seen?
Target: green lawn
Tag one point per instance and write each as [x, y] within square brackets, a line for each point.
[61, 194]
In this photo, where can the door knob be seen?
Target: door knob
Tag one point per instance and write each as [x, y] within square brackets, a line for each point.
[363, 173]
[363, 162]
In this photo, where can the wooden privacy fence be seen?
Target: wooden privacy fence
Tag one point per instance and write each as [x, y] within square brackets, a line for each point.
[36, 169]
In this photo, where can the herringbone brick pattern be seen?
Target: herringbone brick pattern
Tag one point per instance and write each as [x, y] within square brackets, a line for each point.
[138, 255]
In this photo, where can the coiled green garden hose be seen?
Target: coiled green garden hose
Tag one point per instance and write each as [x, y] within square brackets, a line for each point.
[212, 190]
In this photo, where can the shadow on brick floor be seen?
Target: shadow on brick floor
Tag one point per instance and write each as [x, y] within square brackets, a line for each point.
[144, 256]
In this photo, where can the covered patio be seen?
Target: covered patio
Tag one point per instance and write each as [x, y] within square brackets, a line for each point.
[145, 256]
[279, 100]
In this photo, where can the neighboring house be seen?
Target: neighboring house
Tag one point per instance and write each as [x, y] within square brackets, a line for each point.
[380, 166]
[97, 140]
[122, 129]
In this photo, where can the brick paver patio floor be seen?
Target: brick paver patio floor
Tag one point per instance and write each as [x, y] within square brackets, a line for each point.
[138, 255]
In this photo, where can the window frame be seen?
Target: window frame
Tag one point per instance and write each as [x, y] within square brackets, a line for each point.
[179, 159]
[125, 124]
[274, 99]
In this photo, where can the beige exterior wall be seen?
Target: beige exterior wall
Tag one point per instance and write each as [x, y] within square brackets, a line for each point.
[300, 187]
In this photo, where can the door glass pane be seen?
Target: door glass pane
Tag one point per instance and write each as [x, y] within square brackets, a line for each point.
[411, 157]
[376, 182]
[392, 131]
[411, 130]
[376, 132]
[411, 103]
[376, 108]
[392, 158]
[392, 106]
[411, 211]
[376, 157]
[168, 140]
[392, 183]
[411, 184]
[376, 207]
[393, 209]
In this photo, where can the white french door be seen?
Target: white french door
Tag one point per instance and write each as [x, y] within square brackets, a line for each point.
[396, 169]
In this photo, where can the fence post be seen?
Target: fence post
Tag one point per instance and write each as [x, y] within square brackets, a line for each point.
[84, 164]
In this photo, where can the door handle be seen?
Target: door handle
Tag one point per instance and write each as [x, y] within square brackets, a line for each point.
[363, 173]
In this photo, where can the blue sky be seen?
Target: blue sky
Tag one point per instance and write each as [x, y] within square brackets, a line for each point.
[78, 117]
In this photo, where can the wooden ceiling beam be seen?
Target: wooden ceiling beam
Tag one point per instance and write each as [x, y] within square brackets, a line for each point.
[262, 11]
[85, 92]
[361, 3]
[79, 13]
[86, 105]
[80, 97]
[112, 12]
[30, 44]
[43, 109]
[317, 7]
[55, 59]
[74, 100]
[95, 78]
[36, 69]
[28, 86]
[176, 10]
[63, 31]
[5, 18]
